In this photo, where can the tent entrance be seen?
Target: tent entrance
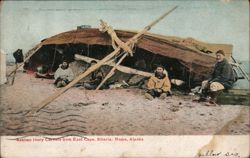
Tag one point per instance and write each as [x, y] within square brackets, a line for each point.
[51, 56]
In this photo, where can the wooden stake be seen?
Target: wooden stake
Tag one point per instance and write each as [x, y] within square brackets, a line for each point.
[14, 75]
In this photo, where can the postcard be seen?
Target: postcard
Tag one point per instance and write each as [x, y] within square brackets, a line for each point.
[124, 79]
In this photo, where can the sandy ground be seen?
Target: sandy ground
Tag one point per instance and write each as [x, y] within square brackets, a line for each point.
[111, 112]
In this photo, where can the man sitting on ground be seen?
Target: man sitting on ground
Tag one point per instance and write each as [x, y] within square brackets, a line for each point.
[63, 75]
[95, 78]
[222, 78]
[158, 85]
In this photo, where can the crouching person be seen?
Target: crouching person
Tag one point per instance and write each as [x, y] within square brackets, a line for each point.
[158, 85]
[95, 78]
[63, 75]
[222, 78]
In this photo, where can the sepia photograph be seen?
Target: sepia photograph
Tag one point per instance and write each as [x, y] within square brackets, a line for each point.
[123, 78]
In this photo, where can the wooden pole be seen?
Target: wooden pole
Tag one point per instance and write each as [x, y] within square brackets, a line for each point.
[77, 79]
[119, 67]
[14, 75]
[111, 72]
[125, 47]
[3, 65]
[105, 27]
[97, 65]
[242, 71]
[33, 51]
[147, 28]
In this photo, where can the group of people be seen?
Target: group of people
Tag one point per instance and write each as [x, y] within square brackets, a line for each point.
[222, 78]
[64, 75]
[159, 84]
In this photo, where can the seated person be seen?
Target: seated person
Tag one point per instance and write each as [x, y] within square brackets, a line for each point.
[158, 85]
[222, 78]
[63, 75]
[96, 78]
[44, 71]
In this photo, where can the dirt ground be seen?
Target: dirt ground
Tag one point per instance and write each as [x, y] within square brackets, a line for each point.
[110, 112]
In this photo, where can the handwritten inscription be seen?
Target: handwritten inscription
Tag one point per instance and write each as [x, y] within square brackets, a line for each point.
[212, 153]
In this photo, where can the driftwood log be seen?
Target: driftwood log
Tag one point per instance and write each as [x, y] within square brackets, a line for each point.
[119, 67]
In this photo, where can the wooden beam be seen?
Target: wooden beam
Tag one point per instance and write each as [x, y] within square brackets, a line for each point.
[127, 48]
[147, 28]
[104, 27]
[119, 67]
[77, 79]
[242, 71]
[14, 76]
[234, 97]
[3, 65]
[111, 72]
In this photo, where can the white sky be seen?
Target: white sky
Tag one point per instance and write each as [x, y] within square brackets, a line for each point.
[26, 23]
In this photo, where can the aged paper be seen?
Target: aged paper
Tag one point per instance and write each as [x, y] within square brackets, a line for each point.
[120, 122]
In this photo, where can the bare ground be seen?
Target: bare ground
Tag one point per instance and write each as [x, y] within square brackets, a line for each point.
[111, 112]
